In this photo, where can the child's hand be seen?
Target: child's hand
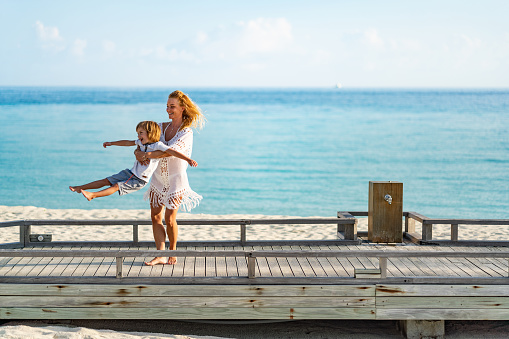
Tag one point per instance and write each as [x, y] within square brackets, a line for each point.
[193, 163]
[107, 143]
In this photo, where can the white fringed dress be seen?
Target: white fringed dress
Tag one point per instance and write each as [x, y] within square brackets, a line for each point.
[169, 185]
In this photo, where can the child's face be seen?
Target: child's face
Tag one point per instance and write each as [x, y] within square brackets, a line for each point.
[143, 136]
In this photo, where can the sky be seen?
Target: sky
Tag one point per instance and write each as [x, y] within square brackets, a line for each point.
[154, 43]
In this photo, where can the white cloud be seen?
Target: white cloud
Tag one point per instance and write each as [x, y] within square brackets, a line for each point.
[47, 33]
[109, 46]
[471, 43]
[265, 35]
[79, 47]
[254, 67]
[173, 54]
[201, 37]
[372, 38]
[49, 37]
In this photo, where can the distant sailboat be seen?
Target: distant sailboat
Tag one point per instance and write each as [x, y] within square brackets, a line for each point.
[338, 85]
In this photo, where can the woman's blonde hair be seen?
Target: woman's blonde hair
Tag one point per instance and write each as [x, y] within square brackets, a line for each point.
[152, 128]
[192, 115]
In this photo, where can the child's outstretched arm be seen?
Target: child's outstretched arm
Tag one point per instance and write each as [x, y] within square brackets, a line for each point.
[119, 143]
[170, 152]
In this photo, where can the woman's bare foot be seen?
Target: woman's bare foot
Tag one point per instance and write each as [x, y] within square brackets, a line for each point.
[88, 195]
[172, 261]
[156, 261]
[75, 189]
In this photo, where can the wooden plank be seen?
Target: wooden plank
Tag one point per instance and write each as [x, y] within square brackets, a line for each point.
[262, 265]
[24, 267]
[188, 290]
[137, 266]
[210, 266]
[188, 313]
[37, 267]
[441, 314]
[441, 290]
[342, 264]
[221, 263]
[178, 302]
[308, 270]
[273, 263]
[283, 263]
[10, 265]
[242, 266]
[294, 264]
[326, 269]
[231, 265]
[496, 302]
[199, 265]
[73, 265]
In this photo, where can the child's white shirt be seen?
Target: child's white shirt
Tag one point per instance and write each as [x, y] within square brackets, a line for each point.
[144, 172]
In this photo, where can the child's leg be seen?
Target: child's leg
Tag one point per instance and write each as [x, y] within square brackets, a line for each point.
[90, 185]
[98, 194]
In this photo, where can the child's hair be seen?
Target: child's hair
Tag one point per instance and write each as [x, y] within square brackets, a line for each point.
[192, 115]
[152, 128]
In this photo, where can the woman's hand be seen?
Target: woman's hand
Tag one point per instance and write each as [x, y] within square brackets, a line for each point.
[141, 156]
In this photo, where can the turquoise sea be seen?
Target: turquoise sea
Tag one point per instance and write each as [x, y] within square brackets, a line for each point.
[303, 152]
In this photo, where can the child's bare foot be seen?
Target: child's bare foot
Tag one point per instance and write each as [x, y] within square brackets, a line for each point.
[172, 261]
[156, 261]
[88, 195]
[75, 189]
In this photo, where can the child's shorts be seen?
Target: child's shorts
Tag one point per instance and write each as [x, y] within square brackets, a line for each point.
[127, 182]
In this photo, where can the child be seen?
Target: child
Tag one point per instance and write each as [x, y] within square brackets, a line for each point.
[128, 181]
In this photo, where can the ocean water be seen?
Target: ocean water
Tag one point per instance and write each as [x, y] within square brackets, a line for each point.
[303, 152]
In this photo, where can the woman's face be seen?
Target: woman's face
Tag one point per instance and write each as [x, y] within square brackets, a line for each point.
[174, 109]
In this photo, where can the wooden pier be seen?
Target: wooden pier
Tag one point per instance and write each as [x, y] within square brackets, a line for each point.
[343, 278]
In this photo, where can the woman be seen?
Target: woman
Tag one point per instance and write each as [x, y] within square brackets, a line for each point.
[169, 186]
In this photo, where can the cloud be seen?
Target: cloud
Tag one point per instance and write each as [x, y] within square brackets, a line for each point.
[49, 37]
[172, 54]
[79, 47]
[47, 33]
[109, 46]
[264, 35]
[372, 38]
[471, 43]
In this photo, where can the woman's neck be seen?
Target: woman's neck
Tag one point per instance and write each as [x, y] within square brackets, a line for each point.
[177, 122]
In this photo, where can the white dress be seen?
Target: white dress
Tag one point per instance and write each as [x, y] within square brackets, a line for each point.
[169, 185]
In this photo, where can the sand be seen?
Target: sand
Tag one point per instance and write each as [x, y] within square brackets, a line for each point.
[113, 329]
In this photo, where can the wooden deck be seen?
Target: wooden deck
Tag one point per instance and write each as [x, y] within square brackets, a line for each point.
[341, 279]
[301, 267]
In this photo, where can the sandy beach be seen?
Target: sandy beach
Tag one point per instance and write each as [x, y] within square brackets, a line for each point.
[180, 329]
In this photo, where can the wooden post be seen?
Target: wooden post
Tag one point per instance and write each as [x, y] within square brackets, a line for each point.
[243, 234]
[24, 234]
[119, 267]
[409, 225]
[135, 235]
[427, 231]
[385, 211]
[382, 263]
[251, 265]
[454, 232]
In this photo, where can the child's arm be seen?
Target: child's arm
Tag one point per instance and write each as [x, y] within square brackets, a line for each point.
[119, 143]
[170, 152]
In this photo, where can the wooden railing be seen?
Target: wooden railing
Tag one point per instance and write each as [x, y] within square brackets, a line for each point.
[28, 239]
[347, 233]
[427, 230]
